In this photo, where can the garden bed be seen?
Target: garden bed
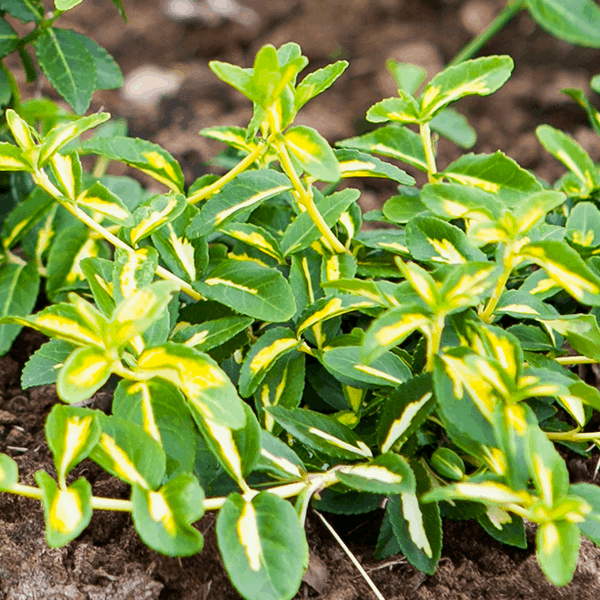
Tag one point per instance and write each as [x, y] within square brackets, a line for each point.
[108, 560]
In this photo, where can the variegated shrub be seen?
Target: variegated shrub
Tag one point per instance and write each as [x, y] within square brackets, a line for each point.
[268, 352]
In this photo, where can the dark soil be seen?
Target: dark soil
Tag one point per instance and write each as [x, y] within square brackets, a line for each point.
[108, 561]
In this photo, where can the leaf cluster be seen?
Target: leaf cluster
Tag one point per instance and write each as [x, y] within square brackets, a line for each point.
[263, 347]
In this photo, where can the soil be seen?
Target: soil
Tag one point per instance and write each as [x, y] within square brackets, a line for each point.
[108, 561]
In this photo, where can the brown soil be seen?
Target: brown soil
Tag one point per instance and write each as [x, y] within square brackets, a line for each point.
[108, 561]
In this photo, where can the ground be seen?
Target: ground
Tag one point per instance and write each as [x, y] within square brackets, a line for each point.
[108, 561]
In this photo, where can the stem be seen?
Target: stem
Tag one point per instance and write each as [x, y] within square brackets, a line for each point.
[425, 133]
[306, 200]
[99, 503]
[215, 187]
[576, 360]
[572, 436]
[14, 89]
[509, 11]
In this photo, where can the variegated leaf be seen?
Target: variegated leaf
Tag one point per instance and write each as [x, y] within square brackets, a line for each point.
[271, 346]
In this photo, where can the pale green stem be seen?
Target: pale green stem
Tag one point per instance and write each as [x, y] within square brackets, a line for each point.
[572, 436]
[425, 132]
[98, 503]
[215, 187]
[306, 200]
[576, 360]
[509, 11]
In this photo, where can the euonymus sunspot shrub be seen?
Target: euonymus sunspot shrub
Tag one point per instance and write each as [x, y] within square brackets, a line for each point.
[269, 352]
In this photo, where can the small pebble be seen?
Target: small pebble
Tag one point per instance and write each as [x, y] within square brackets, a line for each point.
[476, 15]
[146, 85]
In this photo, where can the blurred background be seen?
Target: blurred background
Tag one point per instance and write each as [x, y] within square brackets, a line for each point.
[170, 94]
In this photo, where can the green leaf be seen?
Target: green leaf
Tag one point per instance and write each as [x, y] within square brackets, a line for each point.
[404, 410]
[481, 77]
[557, 550]
[456, 201]
[263, 546]
[503, 526]
[154, 213]
[417, 526]
[108, 73]
[72, 434]
[163, 518]
[278, 459]
[42, 368]
[577, 22]
[19, 286]
[25, 216]
[65, 5]
[238, 199]
[522, 305]
[126, 451]
[84, 372]
[581, 98]
[206, 387]
[567, 269]
[119, 5]
[387, 474]
[23, 10]
[393, 141]
[283, 386]
[448, 464]
[67, 511]
[392, 328]
[132, 271]
[546, 467]
[13, 159]
[345, 364]
[9, 39]
[407, 77]
[69, 67]
[303, 232]
[591, 494]
[62, 321]
[450, 124]
[240, 79]
[143, 155]
[329, 307]
[571, 154]
[317, 82]
[102, 201]
[250, 289]
[583, 226]
[232, 136]
[582, 333]
[495, 173]
[358, 164]
[403, 207]
[431, 239]
[271, 346]
[237, 451]
[9, 472]
[159, 408]
[98, 273]
[255, 236]
[347, 502]
[320, 432]
[313, 153]
[465, 402]
[206, 336]
[401, 110]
